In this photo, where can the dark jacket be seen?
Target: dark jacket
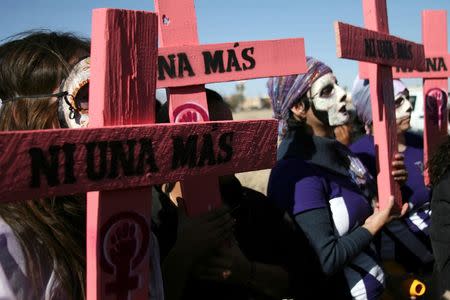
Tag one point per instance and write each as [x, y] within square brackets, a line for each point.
[440, 233]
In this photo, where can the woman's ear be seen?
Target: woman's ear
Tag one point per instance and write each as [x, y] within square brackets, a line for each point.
[368, 129]
[299, 110]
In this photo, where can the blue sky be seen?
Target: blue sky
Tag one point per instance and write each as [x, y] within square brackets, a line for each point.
[235, 20]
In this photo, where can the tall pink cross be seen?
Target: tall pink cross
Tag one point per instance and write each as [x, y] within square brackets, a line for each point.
[184, 67]
[382, 51]
[118, 159]
[435, 81]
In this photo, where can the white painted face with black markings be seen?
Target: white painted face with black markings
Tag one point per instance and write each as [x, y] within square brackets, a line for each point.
[403, 107]
[73, 109]
[328, 99]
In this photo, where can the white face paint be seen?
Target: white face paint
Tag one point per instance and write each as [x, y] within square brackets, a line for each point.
[74, 107]
[403, 107]
[329, 99]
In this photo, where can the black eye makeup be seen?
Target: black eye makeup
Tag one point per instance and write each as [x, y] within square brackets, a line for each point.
[399, 101]
[81, 99]
[73, 111]
[327, 91]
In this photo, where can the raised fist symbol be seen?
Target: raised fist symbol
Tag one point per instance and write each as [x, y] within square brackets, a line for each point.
[188, 116]
[190, 112]
[436, 104]
[123, 244]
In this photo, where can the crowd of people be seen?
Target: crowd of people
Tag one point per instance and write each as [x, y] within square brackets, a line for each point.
[318, 234]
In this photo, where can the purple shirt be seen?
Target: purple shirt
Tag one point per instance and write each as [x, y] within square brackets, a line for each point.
[298, 186]
[414, 190]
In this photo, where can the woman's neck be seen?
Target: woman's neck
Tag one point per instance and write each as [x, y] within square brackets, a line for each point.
[401, 142]
[317, 128]
[322, 131]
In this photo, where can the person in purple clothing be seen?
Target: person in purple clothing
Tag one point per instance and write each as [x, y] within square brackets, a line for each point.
[405, 241]
[324, 188]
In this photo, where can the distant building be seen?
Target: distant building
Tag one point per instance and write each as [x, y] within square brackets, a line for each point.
[239, 102]
[251, 103]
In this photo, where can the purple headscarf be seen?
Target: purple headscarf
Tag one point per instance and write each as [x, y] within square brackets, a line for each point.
[285, 91]
[361, 98]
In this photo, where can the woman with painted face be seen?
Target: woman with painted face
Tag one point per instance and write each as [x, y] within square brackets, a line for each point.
[405, 241]
[42, 241]
[44, 80]
[325, 189]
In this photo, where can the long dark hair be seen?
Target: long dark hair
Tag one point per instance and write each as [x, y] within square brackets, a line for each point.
[439, 164]
[51, 231]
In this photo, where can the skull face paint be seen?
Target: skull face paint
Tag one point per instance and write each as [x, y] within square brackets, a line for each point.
[403, 107]
[328, 101]
[73, 109]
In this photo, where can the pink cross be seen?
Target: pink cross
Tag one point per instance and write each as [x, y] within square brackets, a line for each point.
[382, 51]
[435, 81]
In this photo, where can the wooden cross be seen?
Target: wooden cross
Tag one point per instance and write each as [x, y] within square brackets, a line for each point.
[184, 67]
[435, 81]
[382, 51]
[123, 154]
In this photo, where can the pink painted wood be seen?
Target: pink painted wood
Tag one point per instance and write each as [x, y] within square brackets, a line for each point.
[178, 30]
[377, 47]
[78, 158]
[435, 80]
[435, 91]
[383, 55]
[229, 62]
[178, 26]
[438, 66]
[383, 109]
[123, 71]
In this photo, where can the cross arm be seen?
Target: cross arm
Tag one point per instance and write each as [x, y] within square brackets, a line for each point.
[437, 66]
[211, 63]
[61, 162]
[374, 47]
